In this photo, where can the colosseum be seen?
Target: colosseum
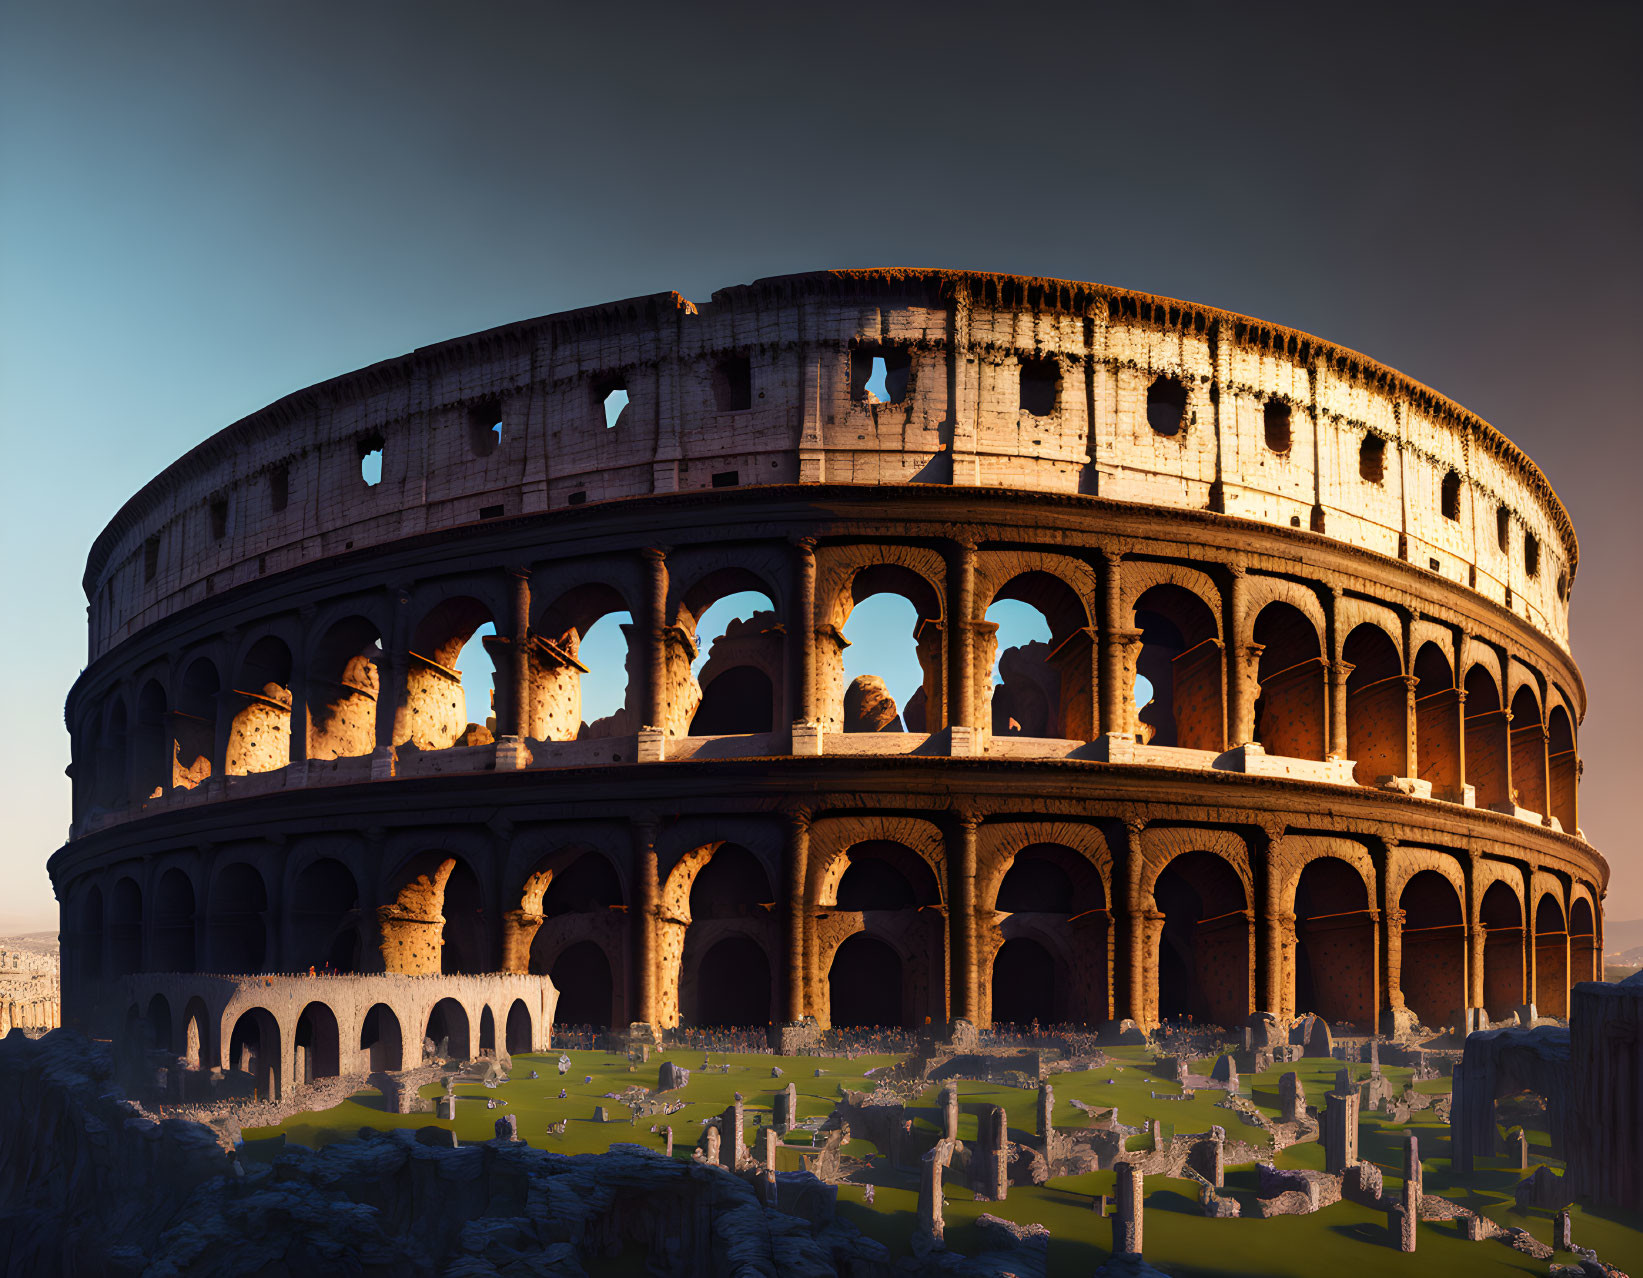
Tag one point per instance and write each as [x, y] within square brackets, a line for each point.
[1351, 788]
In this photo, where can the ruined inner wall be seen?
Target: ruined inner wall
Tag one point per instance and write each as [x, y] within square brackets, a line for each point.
[1041, 385]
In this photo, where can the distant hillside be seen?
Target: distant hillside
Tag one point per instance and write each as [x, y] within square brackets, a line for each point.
[1621, 938]
[31, 943]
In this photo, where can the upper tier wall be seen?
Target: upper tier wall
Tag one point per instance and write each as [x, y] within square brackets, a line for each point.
[283, 487]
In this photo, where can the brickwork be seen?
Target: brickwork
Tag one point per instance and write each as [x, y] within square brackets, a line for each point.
[1352, 682]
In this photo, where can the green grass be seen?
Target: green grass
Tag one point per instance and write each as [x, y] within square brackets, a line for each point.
[1343, 1239]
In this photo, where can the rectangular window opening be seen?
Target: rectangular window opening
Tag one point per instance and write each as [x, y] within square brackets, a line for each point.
[576, 499]
[726, 478]
[279, 487]
[370, 460]
[151, 557]
[733, 384]
[490, 512]
[879, 374]
[219, 518]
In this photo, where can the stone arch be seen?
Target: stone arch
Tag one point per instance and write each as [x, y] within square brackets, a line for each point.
[153, 757]
[518, 1031]
[882, 874]
[237, 919]
[850, 574]
[1180, 657]
[1336, 950]
[1054, 896]
[1528, 733]
[730, 976]
[1563, 769]
[345, 669]
[866, 981]
[585, 978]
[698, 580]
[157, 1024]
[1585, 961]
[1500, 914]
[381, 1039]
[555, 708]
[436, 713]
[832, 838]
[739, 690]
[109, 783]
[1433, 961]
[487, 1031]
[717, 881]
[125, 927]
[1028, 980]
[254, 1050]
[1204, 944]
[259, 734]
[1263, 591]
[1488, 741]
[1048, 690]
[317, 1043]
[326, 920]
[449, 1024]
[1291, 710]
[1377, 705]
[89, 949]
[1439, 722]
[194, 722]
[1551, 956]
[174, 922]
[439, 919]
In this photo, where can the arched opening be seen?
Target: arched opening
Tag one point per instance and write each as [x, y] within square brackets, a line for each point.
[159, 1023]
[487, 1032]
[1488, 749]
[90, 949]
[1438, 723]
[1026, 985]
[343, 682]
[438, 713]
[381, 1042]
[109, 787]
[883, 875]
[1502, 919]
[1377, 706]
[237, 925]
[864, 984]
[1528, 751]
[173, 923]
[318, 1044]
[125, 928]
[1179, 683]
[1042, 682]
[583, 668]
[152, 766]
[880, 682]
[325, 918]
[1335, 951]
[259, 738]
[581, 974]
[1292, 709]
[194, 725]
[254, 1052]
[1433, 971]
[731, 885]
[438, 921]
[1204, 949]
[574, 896]
[1584, 964]
[733, 984]
[735, 649]
[1563, 769]
[519, 1028]
[447, 1032]
[1551, 958]
[1054, 897]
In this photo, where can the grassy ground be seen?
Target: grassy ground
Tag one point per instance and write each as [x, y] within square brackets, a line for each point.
[1344, 1238]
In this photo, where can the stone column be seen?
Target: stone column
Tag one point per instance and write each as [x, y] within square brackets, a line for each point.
[647, 892]
[1475, 934]
[1412, 1191]
[1242, 663]
[961, 639]
[654, 706]
[393, 715]
[996, 1162]
[798, 859]
[802, 633]
[961, 863]
[930, 1226]
[515, 717]
[1113, 719]
[787, 1109]
[949, 1111]
[1272, 931]
[730, 1136]
[1135, 996]
[1339, 672]
[1046, 1119]
[1126, 1221]
[769, 1152]
[1340, 1128]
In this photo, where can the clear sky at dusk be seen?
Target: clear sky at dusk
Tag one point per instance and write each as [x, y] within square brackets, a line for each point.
[204, 207]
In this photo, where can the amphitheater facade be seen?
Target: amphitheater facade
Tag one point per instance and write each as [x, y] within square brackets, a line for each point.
[1353, 790]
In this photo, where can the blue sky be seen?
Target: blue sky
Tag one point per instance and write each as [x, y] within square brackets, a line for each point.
[204, 207]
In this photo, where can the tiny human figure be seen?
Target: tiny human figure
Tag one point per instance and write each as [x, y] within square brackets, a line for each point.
[562, 1093]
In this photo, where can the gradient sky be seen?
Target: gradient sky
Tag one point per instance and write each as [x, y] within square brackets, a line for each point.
[206, 206]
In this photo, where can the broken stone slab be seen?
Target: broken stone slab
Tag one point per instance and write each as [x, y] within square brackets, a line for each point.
[670, 1077]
